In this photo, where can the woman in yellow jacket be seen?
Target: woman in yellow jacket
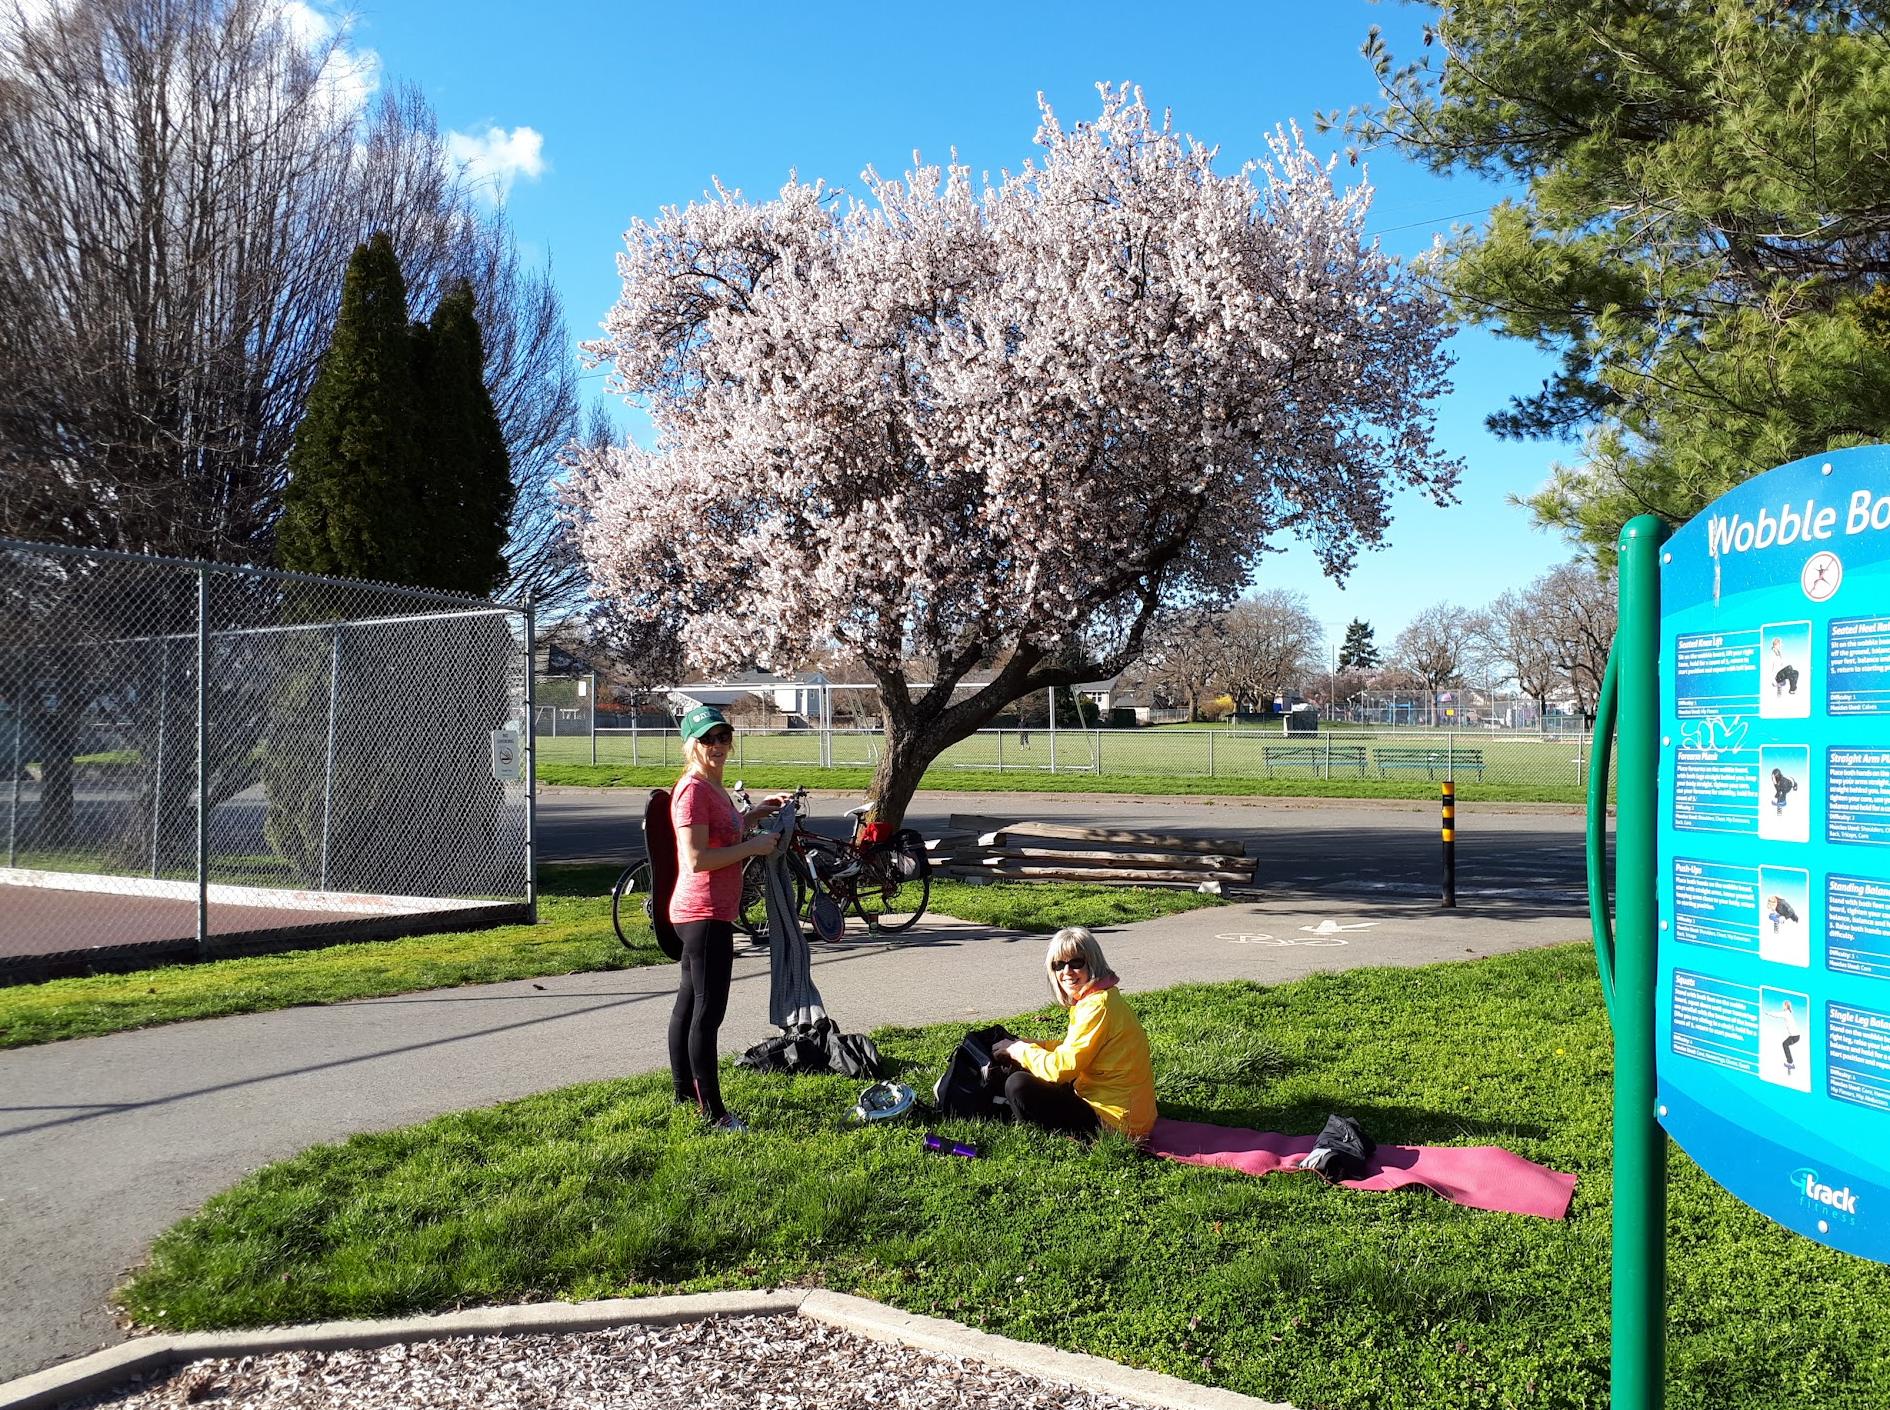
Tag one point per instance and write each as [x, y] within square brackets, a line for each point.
[1100, 1074]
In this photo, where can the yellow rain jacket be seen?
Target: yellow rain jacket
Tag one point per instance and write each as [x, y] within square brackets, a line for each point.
[1106, 1054]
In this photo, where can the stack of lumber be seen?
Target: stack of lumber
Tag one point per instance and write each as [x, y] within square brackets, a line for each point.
[995, 850]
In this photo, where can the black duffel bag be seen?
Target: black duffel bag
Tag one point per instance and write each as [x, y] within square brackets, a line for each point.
[816, 1048]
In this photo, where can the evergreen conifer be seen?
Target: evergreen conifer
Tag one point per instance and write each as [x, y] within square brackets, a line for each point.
[1358, 652]
[467, 484]
[352, 507]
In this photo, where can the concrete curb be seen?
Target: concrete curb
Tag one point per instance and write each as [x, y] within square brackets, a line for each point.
[883, 1323]
[103, 1370]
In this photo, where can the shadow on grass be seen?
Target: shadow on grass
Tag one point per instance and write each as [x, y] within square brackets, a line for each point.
[1386, 1123]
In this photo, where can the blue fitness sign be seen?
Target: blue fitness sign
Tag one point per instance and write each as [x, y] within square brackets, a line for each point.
[1773, 998]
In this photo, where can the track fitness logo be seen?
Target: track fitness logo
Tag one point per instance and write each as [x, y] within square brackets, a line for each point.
[1839, 1204]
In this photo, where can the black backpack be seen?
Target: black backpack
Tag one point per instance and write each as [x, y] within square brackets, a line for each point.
[973, 1083]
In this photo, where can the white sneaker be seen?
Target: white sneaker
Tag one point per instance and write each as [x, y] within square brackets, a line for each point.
[729, 1124]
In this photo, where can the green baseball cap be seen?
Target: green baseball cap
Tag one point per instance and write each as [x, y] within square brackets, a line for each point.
[701, 720]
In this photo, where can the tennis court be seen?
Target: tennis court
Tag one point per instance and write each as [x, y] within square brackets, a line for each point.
[66, 924]
[257, 758]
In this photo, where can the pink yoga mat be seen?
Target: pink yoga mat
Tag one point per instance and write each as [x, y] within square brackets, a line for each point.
[1482, 1177]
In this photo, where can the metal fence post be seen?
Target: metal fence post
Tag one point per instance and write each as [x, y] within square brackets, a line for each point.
[203, 763]
[1051, 692]
[13, 809]
[1210, 739]
[593, 717]
[157, 779]
[1000, 742]
[1098, 753]
[531, 759]
[328, 772]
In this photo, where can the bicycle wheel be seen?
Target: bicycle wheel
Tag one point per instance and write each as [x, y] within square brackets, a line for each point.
[883, 900]
[752, 920]
[630, 900]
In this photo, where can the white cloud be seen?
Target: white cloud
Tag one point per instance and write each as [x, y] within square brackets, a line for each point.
[498, 157]
[349, 76]
[306, 24]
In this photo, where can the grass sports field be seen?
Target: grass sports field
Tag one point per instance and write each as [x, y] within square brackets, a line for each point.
[1154, 762]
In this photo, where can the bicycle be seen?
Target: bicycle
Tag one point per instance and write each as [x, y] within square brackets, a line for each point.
[634, 880]
[874, 878]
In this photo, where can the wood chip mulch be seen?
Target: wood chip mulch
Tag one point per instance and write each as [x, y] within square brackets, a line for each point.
[738, 1363]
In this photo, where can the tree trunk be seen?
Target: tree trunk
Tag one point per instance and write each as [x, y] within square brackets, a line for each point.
[58, 735]
[902, 763]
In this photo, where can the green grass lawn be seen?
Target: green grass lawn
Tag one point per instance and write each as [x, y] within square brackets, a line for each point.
[768, 777]
[1156, 760]
[573, 935]
[1278, 1287]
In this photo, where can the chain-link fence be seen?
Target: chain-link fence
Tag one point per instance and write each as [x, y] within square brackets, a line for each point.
[565, 707]
[201, 759]
[1513, 764]
[1463, 707]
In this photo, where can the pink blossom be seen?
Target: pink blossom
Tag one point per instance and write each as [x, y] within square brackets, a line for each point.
[1004, 423]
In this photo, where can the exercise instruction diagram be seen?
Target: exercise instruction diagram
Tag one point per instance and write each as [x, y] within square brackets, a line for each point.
[1774, 949]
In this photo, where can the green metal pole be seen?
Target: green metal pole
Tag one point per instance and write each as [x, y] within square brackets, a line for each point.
[1640, 1146]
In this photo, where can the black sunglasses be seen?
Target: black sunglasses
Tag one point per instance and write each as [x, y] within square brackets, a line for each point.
[718, 736]
[1073, 962]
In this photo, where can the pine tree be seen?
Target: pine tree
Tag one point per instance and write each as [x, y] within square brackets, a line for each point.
[352, 507]
[1357, 653]
[1699, 238]
[467, 484]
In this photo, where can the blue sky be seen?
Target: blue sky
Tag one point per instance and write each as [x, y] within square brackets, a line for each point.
[595, 114]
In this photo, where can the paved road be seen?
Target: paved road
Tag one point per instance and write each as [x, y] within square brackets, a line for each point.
[105, 1142]
[1518, 852]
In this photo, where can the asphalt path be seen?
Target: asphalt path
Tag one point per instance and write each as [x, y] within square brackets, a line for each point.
[105, 1142]
[1532, 853]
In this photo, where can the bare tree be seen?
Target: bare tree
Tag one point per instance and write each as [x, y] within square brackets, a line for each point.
[1270, 640]
[1435, 647]
[1577, 606]
[181, 184]
[1512, 636]
[1183, 658]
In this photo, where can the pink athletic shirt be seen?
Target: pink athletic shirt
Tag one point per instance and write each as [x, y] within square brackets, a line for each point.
[704, 895]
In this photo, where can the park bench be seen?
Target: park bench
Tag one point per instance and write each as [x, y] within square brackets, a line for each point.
[1446, 762]
[1321, 758]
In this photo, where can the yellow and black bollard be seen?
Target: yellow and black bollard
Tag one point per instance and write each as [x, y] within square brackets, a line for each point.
[1450, 843]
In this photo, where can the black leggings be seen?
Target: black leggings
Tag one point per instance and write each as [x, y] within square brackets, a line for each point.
[1051, 1105]
[708, 956]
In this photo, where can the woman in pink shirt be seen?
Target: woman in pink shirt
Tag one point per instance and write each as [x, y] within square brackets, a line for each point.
[710, 851]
